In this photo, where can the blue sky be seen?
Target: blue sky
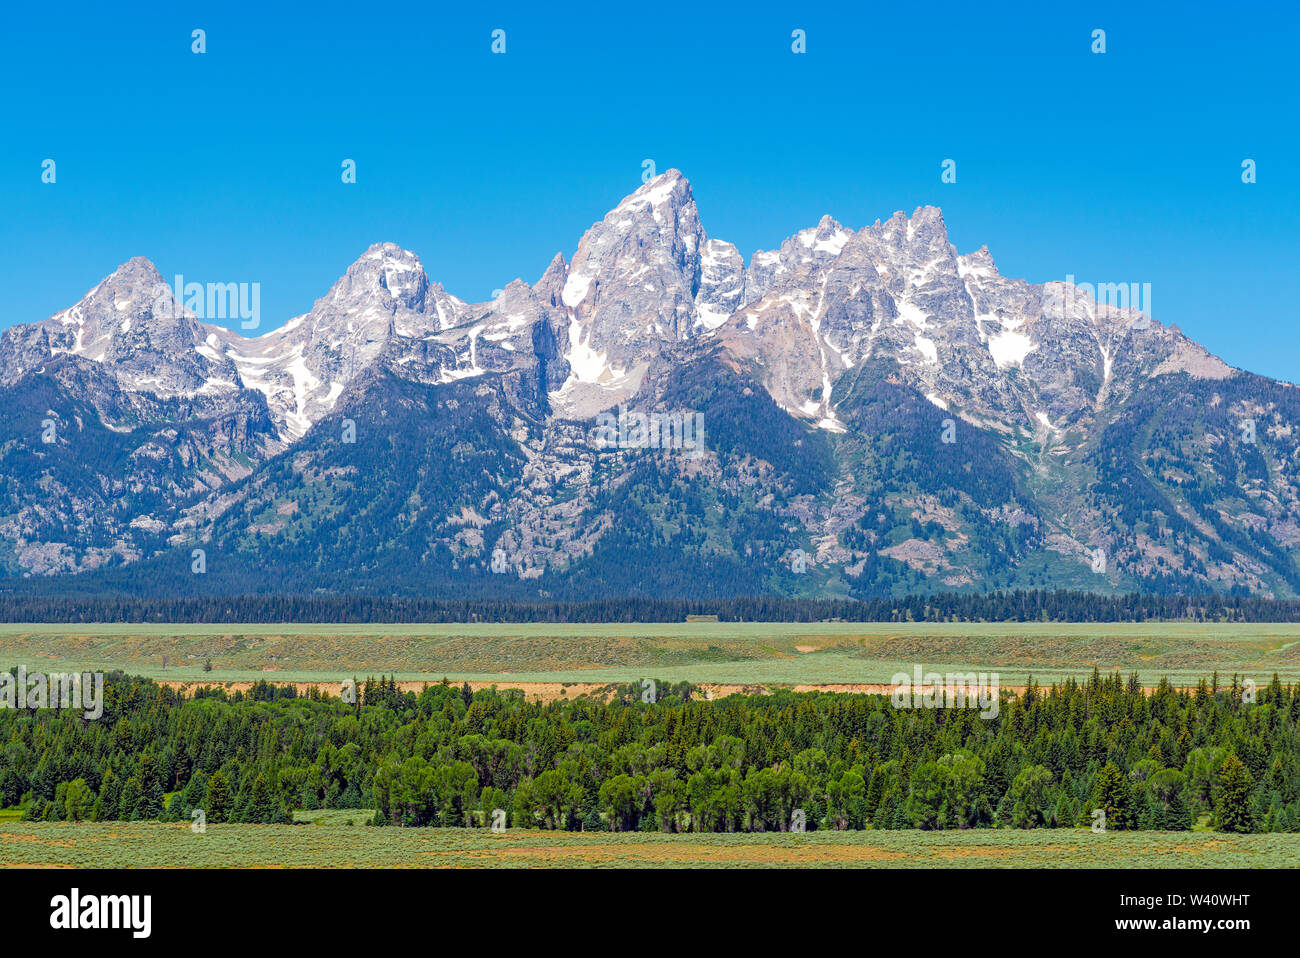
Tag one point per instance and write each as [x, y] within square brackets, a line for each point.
[1119, 167]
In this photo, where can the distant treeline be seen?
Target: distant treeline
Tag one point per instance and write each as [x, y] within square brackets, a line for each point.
[1017, 606]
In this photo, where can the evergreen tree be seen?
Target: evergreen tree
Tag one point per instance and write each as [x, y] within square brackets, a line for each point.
[151, 790]
[262, 808]
[216, 803]
[1233, 811]
[108, 804]
[1113, 795]
[131, 800]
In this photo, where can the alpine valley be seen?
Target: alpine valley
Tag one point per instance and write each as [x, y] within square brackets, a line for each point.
[878, 411]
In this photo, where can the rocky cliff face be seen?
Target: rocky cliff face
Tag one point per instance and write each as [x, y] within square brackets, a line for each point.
[898, 411]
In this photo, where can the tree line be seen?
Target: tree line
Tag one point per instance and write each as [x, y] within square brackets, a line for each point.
[1014, 606]
[1101, 753]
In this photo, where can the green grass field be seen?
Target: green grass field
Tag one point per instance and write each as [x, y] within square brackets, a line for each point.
[338, 845]
[724, 653]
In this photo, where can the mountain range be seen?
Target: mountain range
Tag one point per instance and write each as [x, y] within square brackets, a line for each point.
[877, 415]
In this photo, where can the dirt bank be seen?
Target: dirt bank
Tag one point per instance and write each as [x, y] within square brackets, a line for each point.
[550, 691]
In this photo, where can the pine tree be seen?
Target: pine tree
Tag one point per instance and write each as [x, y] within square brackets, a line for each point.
[1233, 811]
[151, 790]
[107, 805]
[261, 807]
[1179, 816]
[132, 799]
[216, 803]
[1114, 796]
[192, 797]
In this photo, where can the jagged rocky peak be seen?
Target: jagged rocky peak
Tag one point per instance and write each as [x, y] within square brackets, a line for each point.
[518, 305]
[635, 274]
[916, 242]
[136, 327]
[978, 264]
[134, 277]
[386, 286]
[515, 293]
[393, 281]
[827, 236]
[302, 367]
[131, 306]
[817, 245]
[668, 191]
[391, 268]
[550, 287]
[797, 262]
[926, 226]
[631, 291]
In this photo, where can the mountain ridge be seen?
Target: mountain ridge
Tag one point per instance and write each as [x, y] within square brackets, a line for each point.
[882, 353]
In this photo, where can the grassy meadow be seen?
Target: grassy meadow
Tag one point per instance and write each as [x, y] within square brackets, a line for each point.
[837, 653]
[333, 843]
[576, 658]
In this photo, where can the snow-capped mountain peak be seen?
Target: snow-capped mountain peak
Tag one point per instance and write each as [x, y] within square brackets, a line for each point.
[645, 281]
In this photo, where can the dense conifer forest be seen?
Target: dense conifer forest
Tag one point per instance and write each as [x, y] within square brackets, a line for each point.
[1051, 758]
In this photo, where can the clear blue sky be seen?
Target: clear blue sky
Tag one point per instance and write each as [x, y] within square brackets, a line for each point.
[1121, 167]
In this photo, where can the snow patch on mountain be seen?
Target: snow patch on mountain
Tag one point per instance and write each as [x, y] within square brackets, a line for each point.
[1010, 347]
[575, 289]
